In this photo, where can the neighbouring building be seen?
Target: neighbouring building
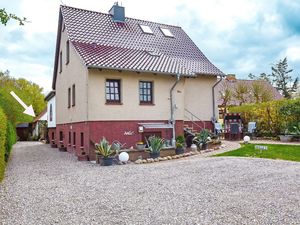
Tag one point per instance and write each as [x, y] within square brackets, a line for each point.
[233, 92]
[126, 79]
[51, 117]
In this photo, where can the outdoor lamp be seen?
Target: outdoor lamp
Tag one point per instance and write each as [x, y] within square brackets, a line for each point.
[123, 157]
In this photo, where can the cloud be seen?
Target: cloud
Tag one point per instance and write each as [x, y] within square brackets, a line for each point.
[238, 36]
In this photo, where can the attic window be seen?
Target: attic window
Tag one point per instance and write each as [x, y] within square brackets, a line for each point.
[146, 29]
[166, 32]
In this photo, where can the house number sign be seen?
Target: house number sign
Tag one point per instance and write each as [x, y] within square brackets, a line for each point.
[128, 133]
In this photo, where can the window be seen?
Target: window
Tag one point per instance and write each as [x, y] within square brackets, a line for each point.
[73, 95]
[81, 139]
[67, 52]
[52, 135]
[61, 135]
[69, 97]
[60, 62]
[166, 32]
[146, 29]
[51, 113]
[69, 137]
[146, 92]
[74, 138]
[112, 91]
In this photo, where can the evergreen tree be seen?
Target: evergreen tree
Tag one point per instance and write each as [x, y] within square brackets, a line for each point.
[283, 80]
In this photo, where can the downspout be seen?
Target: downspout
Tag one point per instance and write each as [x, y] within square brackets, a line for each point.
[172, 100]
[213, 96]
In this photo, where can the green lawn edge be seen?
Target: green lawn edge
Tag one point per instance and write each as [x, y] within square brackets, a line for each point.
[275, 151]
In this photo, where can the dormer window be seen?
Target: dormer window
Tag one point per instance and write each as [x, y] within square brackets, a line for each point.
[146, 29]
[166, 32]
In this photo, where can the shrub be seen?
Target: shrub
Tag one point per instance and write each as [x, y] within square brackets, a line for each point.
[3, 129]
[11, 139]
[272, 117]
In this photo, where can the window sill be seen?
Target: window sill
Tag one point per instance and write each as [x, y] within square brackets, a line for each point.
[147, 104]
[113, 103]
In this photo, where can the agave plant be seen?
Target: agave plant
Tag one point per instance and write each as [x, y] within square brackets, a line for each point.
[155, 144]
[203, 137]
[104, 148]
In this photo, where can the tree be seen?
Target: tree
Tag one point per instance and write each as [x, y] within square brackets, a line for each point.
[260, 92]
[225, 94]
[28, 91]
[283, 80]
[262, 76]
[5, 17]
[240, 92]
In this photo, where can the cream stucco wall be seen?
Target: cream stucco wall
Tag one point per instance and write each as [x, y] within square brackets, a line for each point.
[198, 96]
[130, 109]
[74, 72]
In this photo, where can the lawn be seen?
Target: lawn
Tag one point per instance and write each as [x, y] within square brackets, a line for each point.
[285, 152]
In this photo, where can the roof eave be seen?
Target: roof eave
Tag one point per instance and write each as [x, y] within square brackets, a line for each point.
[58, 37]
[140, 71]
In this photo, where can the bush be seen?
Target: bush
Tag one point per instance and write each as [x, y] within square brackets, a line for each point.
[3, 129]
[11, 138]
[272, 117]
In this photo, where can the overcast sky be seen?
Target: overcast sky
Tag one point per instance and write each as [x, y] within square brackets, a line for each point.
[238, 36]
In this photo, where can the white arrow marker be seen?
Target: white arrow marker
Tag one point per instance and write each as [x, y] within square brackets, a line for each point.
[28, 109]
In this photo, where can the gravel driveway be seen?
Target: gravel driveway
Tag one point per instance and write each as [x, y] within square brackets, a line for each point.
[45, 186]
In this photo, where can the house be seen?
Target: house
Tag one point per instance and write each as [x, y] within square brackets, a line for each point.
[51, 117]
[234, 92]
[126, 79]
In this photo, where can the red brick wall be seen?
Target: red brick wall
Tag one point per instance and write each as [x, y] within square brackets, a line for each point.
[111, 130]
[50, 131]
[208, 125]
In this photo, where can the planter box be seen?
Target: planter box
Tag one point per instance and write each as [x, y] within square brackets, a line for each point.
[286, 138]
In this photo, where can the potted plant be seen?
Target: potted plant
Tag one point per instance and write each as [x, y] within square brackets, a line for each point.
[140, 145]
[105, 151]
[180, 143]
[202, 138]
[155, 145]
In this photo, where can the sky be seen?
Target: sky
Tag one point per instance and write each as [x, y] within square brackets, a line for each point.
[238, 36]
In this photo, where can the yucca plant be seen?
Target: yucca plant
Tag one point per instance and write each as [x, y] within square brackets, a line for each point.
[155, 144]
[202, 138]
[104, 148]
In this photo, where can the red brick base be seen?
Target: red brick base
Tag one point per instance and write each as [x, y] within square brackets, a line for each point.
[79, 138]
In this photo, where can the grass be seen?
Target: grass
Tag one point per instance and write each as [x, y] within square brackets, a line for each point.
[285, 152]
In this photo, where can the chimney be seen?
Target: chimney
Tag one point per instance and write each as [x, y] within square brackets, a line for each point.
[118, 13]
[231, 77]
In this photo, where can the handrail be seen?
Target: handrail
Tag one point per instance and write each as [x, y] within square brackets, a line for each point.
[191, 118]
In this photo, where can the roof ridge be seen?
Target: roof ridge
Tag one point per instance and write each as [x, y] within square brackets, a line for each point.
[93, 11]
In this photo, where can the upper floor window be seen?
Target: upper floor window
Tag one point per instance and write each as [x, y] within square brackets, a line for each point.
[69, 97]
[67, 52]
[112, 91]
[146, 29]
[146, 92]
[166, 32]
[60, 62]
[51, 112]
[73, 95]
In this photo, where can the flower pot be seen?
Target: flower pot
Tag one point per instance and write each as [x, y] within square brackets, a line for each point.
[179, 151]
[140, 146]
[154, 155]
[107, 161]
[204, 146]
[285, 138]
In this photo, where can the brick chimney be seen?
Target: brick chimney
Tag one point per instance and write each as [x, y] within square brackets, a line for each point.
[118, 13]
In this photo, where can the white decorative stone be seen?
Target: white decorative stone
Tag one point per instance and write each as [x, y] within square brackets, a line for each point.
[246, 139]
[123, 157]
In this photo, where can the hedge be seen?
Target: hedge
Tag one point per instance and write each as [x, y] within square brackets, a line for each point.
[11, 138]
[3, 130]
[273, 117]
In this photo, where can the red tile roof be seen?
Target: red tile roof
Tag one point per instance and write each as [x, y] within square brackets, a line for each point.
[232, 83]
[103, 43]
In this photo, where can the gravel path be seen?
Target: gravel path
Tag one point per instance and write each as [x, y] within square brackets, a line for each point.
[45, 186]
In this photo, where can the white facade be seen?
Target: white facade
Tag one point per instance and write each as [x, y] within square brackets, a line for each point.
[51, 112]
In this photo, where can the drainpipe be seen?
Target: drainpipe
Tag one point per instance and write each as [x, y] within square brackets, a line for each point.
[172, 100]
[213, 96]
